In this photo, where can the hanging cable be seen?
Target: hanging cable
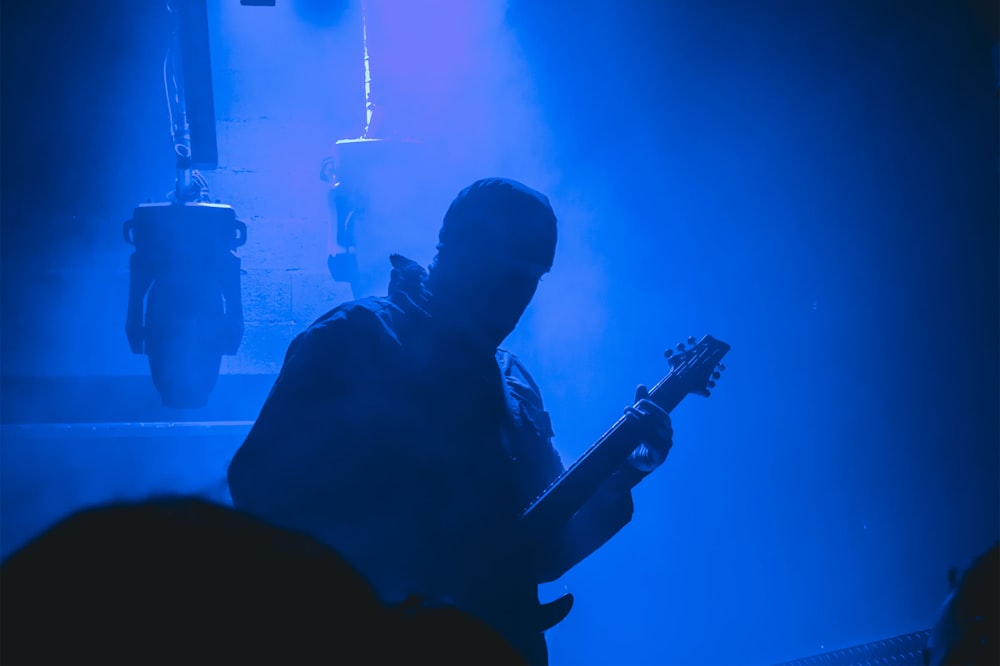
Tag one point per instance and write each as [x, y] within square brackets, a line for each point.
[191, 184]
[179, 129]
[369, 103]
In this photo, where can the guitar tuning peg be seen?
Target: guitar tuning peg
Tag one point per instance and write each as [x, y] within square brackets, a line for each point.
[710, 384]
[680, 346]
[721, 367]
[690, 339]
[716, 375]
[668, 353]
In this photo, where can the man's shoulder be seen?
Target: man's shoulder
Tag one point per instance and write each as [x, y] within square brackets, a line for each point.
[510, 364]
[517, 377]
[369, 320]
[524, 398]
[368, 311]
[363, 313]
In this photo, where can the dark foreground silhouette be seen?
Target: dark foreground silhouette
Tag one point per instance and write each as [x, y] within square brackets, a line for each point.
[967, 630]
[184, 581]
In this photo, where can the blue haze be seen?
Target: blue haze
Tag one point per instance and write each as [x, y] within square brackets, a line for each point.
[814, 183]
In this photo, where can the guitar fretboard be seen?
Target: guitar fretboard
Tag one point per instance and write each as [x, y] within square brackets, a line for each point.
[564, 496]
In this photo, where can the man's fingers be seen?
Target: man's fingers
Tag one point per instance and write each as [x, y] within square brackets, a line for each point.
[641, 392]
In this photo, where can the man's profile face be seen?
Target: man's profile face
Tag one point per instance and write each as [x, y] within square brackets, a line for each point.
[490, 295]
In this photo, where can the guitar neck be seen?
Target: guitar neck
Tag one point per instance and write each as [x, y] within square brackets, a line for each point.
[563, 497]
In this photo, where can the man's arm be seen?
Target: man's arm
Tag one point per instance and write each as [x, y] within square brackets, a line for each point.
[611, 506]
[609, 510]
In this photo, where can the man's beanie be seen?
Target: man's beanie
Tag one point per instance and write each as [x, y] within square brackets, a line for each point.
[500, 214]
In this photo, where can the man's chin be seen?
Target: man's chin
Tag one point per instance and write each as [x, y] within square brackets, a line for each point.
[487, 340]
[483, 338]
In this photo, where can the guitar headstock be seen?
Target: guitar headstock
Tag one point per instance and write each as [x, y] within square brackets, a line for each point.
[697, 364]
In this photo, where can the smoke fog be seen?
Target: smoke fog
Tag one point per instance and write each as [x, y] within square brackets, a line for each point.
[814, 183]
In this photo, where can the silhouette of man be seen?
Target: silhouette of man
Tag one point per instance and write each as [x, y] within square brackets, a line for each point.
[399, 434]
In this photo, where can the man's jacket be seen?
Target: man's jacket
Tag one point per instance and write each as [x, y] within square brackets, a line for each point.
[414, 460]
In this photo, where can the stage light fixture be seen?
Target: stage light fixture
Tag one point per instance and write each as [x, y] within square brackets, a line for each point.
[184, 305]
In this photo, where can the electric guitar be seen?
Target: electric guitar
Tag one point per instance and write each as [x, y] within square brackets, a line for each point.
[694, 368]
